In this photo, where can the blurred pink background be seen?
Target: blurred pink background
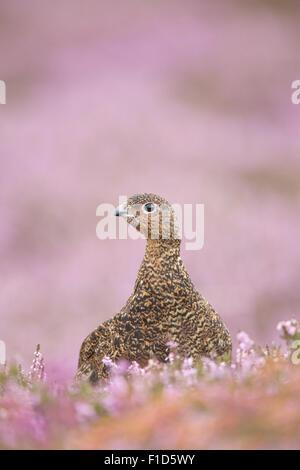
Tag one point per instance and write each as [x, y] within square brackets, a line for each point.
[190, 100]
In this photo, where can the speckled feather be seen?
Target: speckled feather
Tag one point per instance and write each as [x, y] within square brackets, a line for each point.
[164, 306]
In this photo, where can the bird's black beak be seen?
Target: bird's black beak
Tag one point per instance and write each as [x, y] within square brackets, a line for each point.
[121, 211]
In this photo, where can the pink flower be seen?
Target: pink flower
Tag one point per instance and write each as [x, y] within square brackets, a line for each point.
[245, 343]
[135, 369]
[214, 369]
[289, 327]
[84, 411]
[37, 370]
[108, 362]
[172, 344]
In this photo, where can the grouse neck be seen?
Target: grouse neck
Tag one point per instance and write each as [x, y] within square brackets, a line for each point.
[157, 249]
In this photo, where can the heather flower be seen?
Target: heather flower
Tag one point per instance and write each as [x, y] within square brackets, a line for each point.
[288, 328]
[115, 399]
[245, 342]
[84, 411]
[122, 367]
[188, 372]
[37, 369]
[135, 369]
[247, 358]
[171, 357]
[215, 370]
[30, 416]
[172, 344]
[107, 361]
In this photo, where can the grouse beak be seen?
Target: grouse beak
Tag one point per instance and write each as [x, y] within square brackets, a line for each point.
[121, 211]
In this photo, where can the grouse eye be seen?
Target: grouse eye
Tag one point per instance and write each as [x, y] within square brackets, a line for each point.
[149, 207]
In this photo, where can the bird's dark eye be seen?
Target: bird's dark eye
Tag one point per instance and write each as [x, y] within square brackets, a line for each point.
[149, 207]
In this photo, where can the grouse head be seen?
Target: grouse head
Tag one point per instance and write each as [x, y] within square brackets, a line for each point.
[151, 215]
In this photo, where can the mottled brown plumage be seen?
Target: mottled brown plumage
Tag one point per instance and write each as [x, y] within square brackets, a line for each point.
[164, 305]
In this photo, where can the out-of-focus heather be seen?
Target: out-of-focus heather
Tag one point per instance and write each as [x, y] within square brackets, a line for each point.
[188, 101]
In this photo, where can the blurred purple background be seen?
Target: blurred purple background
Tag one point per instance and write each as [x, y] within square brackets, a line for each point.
[186, 100]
